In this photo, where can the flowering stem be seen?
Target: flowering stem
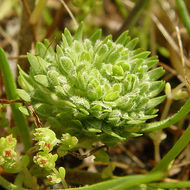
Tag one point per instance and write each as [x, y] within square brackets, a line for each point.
[62, 179]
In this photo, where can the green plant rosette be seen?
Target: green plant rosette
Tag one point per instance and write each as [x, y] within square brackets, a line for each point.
[94, 89]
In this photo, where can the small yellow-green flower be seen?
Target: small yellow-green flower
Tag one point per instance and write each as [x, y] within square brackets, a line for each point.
[45, 160]
[9, 159]
[53, 179]
[46, 139]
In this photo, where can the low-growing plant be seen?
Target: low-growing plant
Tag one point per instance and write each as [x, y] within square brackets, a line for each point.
[93, 88]
[87, 91]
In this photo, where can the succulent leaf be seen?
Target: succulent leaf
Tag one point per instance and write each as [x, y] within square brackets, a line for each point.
[23, 95]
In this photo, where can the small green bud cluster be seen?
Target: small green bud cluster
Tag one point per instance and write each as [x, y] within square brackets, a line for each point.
[46, 141]
[175, 94]
[9, 159]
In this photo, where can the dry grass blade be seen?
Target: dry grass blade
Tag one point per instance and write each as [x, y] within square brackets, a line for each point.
[167, 36]
[70, 13]
[132, 156]
[182, 59]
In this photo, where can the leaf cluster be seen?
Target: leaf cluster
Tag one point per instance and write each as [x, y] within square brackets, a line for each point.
[93, 87]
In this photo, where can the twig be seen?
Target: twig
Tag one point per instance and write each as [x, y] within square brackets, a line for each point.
[29, 106]
[81, 157]
[132, 156]
[128, 3]
[17, 57]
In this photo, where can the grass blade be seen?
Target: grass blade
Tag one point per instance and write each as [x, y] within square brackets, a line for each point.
[174, 152]
[169, 121]
[10, 88]
[122, 183]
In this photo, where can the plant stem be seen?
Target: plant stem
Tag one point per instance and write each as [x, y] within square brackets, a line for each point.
[34, 185]
[10, 88]
[173, 153]
[7, 185]
[157, 137]
[62, 179]
[184, 14]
